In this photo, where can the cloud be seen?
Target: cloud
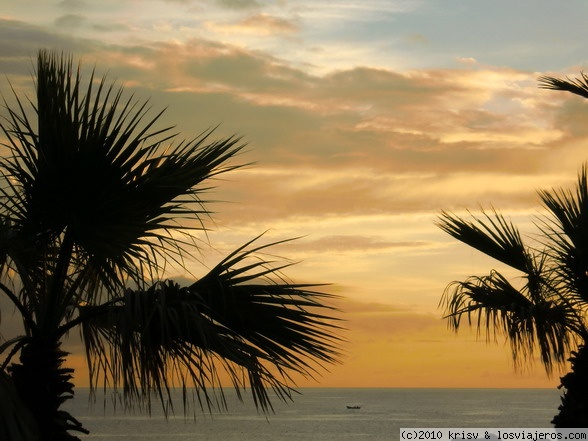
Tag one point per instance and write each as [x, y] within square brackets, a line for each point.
[393, 325]
[467, 60]
[238, 4]
[385, 319]
[70, 21]
[416, 40]
[19, 43]
[352, 244]
[328, 13]
[359, 140]
[440, 108]
[259, 24]
[72, 4]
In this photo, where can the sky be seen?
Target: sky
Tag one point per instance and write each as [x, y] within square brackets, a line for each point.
[364, 120]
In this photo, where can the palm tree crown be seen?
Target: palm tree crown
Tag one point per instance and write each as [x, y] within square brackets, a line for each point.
[543, 312]
[94, 202]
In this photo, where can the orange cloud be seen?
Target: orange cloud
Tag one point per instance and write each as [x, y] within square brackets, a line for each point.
[259, 24]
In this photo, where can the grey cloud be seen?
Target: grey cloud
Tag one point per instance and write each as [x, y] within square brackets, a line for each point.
[70, 21]
[109, 27]
[572, 115]
[238, 4]
[270, 23]
[74, 21]
[19, 43]
[353, 243]
[72, 4]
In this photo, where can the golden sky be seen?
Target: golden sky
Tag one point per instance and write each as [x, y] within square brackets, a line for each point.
[364, 120]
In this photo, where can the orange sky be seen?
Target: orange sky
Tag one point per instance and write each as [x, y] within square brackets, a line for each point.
[364, 122]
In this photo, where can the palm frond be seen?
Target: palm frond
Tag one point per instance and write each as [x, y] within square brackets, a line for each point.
[492, 305]
[282, 319]
[241, 316]
[99, 177]
[567, 233]
[578, 86]
[495, 237]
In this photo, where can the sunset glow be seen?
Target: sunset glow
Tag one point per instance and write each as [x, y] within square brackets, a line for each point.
[364, 120]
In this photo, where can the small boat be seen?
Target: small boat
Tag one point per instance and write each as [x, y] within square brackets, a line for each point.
[353, 406]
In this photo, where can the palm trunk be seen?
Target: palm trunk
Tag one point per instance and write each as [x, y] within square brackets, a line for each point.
[44, 386]
[573, 411]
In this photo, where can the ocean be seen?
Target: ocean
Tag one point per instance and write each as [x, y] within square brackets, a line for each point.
[321, 414]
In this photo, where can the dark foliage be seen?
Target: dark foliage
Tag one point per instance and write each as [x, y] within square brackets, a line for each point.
[95, 202]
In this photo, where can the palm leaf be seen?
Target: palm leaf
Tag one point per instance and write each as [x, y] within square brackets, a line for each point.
[99, 187]
[495, 237]
[259, 333]
[547, 312]
[578, 86]
[491, 304]
[567, 233]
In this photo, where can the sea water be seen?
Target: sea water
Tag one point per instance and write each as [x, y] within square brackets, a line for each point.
[322, 415]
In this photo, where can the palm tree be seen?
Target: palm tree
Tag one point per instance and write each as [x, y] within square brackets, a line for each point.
[94, 203]
[545, 310]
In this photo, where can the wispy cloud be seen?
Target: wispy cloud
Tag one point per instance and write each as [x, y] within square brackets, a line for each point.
[238, 4]
[70, 20]
[259, 24]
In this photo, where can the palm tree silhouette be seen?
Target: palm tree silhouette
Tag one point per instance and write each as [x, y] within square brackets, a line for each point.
[545, 309]
[94, 202]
